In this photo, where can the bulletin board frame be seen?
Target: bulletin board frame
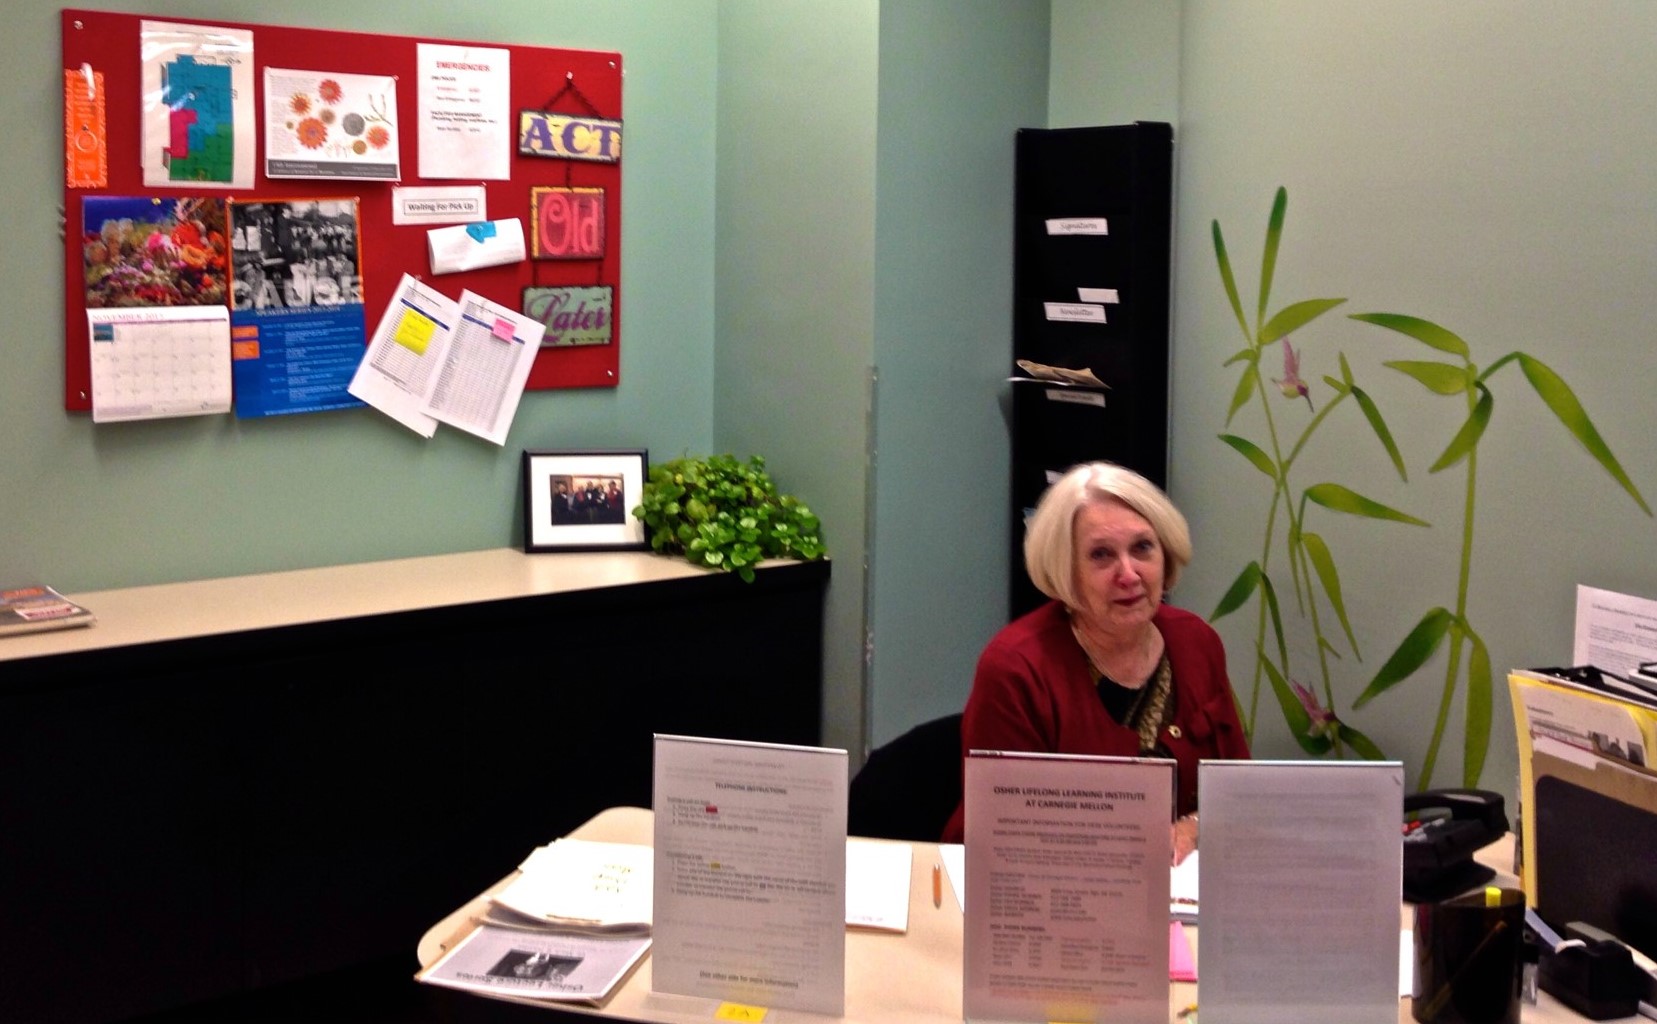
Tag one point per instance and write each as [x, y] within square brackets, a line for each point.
[587, 83]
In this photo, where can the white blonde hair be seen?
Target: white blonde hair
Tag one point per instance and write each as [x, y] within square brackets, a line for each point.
[1050, 532]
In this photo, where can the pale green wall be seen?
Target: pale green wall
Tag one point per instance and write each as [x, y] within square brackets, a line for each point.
[1487, 165]
[865, 257]
[957, 80]
[795, 268]
[1114, 62]
[87, 507]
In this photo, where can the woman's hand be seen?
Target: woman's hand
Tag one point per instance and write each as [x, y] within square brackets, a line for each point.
[1185, 836]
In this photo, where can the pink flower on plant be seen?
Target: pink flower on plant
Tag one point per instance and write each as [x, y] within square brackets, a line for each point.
[1323, 719]
[1291, 385]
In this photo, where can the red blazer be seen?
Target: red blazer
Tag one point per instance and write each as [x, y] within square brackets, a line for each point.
[1033, 692]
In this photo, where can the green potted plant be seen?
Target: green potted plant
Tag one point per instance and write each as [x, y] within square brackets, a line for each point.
[726, 514]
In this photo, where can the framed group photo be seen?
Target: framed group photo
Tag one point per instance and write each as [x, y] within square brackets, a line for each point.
[583, 500]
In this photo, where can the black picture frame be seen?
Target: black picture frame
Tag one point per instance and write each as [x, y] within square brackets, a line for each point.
[583, 499]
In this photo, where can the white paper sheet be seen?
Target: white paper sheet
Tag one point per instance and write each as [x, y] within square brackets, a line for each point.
[1067, 885]
[464, 115]
[1301, 879]
[877, 884]
[954, 857]
[1614, 632]
[750, 896]
[486, 364]
[1182, 888]
[405, 353]
[485, 243]
[439, 204]
[578, 884]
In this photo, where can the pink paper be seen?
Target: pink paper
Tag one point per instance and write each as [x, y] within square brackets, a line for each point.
[1182, 966]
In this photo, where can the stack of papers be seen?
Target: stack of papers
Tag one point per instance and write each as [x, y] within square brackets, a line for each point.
[576, 920]
[569, 928]
[577, 885]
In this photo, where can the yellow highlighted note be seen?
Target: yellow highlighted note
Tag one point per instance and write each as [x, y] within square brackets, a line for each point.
[739, 1012]
[414, 331]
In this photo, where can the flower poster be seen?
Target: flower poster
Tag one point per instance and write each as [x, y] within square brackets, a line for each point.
[321, 125]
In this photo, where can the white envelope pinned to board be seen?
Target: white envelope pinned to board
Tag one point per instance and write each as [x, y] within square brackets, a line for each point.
[484, 243]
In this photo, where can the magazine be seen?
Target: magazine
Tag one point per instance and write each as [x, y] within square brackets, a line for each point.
[35, 608]
[538, 965]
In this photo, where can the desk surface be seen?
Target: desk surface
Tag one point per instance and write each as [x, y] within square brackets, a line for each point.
[235, 604]
[891, 979]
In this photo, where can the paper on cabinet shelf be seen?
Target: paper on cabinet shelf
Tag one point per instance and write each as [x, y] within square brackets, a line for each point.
[1058, 375]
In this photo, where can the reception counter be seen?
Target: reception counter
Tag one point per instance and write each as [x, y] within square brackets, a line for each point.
[232, 783]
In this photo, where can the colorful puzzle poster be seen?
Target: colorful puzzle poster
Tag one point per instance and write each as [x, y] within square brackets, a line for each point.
[197, 104]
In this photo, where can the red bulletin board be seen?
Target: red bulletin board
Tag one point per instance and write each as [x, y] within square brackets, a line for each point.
[586, 83]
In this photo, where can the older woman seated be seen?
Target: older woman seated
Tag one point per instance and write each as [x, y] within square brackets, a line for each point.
[1105, 667]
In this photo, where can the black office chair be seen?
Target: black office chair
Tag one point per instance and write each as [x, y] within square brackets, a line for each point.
[909, 787]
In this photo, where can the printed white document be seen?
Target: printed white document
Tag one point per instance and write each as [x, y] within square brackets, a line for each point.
[750, 898]
[1301, 880]
[1614, 632]
[464, 113]
[486, 364]
[1067, 888]
[404, 354]
[433, 359]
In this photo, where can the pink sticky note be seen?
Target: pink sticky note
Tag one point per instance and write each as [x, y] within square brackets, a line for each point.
[1182, 966]
[503, 329]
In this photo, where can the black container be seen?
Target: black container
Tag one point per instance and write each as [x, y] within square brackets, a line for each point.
[1467, 958]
